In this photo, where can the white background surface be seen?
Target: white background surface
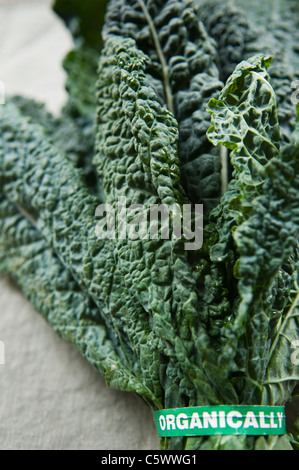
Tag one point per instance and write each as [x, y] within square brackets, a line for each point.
[50, 397]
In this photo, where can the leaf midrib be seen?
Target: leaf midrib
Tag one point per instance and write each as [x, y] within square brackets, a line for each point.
[283, 325]
[165, 70]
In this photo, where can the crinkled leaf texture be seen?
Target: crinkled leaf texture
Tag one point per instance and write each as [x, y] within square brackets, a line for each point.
[57, 297]
[244, 29]
[214, 326]
[157, 272]
[258, 223]
[182, 70]
[64, 214]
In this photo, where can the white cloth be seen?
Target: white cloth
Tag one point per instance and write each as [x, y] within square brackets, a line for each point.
[50, 397]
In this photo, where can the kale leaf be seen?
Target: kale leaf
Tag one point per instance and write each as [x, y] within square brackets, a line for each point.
[177, 103]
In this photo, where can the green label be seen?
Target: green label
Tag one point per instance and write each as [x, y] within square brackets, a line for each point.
[222, 419]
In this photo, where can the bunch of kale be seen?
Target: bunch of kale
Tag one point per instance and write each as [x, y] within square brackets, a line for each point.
[177, 102]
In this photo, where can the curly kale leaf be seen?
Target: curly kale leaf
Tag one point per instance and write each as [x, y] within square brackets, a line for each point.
[181, 69]
[258, 220]
[80, 65]
[71, 132]
[249, 28]
[228, 25]
[137, 159]
[207, 327]
[37, 178]
[245, 121]
[277, 34]
[40, 180]
[54, 293]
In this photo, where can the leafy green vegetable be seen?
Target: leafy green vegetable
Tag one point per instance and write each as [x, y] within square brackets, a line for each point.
[254, 221]
[84, 19]
[209, 326]
[182, 70]
[68, 310]
[227, 24]
[269, 28]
